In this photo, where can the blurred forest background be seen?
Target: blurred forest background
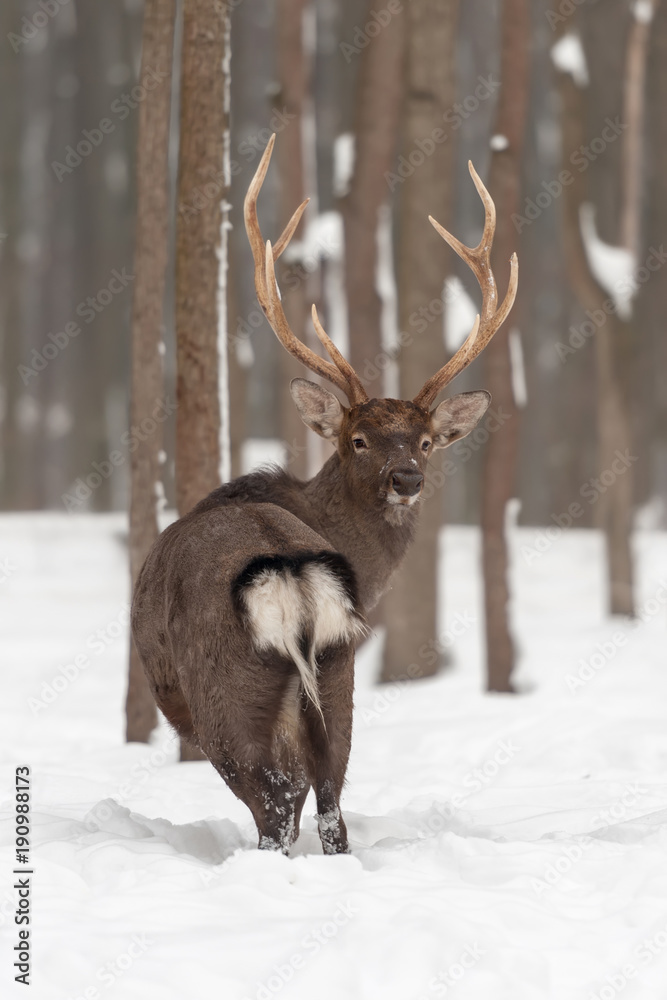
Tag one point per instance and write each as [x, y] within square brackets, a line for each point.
[378, 108]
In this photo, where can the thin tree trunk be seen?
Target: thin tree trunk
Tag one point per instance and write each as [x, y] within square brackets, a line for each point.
[14, 340]
[253, 60]
[203, 124]
[651, 309]
[150, 263]
[605, 29]
[378, 107]
[292, 95]
[500, 456]
[632, 186]
[633, 139]
[613, 509]
[410, 607]
[201, 248]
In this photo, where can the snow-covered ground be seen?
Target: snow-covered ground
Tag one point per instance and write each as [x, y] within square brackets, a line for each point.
[503, 847]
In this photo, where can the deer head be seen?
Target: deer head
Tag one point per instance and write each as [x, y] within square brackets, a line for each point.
[384, 444]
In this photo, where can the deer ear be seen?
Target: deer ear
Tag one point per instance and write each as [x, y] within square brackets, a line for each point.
[456, 417]
[319, 409]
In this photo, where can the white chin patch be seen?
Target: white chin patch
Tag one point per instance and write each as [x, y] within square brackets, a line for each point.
[400, 501]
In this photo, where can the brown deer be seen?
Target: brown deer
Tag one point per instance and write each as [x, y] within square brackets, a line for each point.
[247, 610]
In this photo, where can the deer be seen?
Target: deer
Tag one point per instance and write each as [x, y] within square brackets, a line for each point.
[248, 609]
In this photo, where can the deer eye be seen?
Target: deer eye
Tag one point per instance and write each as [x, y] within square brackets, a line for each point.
[359, 444]
[426, 445]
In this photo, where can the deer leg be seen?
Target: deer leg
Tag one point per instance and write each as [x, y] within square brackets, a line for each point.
[331, 743]
[331, 825]
[277, 808]
[298, 808]
[275, 798]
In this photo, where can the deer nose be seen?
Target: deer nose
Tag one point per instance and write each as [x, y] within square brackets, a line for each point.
[406, 484]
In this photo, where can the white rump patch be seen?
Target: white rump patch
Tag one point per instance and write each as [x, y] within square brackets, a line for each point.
[283, 607]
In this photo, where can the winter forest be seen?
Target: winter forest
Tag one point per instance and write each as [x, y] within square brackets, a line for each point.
[468, 598]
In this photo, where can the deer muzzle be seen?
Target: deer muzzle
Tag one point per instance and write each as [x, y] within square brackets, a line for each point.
[406, 482]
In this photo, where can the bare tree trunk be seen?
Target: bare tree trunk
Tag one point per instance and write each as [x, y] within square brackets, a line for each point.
[613, 509]
[651, 309]
[257, 350]
[292, 95]
[201, 247]
[203, 124]
[150, 263]
[13, 339]
[605, 29]
[107, 229]
[500, 456]
[410, 607]
[633, 139]
[380, 90]
[632, 186]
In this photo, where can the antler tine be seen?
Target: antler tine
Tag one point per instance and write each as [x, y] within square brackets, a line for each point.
[289, 230]
[276, 317]
[341, 374]
[490, 318]
[359, 394]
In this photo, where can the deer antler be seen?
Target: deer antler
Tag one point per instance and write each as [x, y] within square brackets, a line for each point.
[341, 373]
[491, 318]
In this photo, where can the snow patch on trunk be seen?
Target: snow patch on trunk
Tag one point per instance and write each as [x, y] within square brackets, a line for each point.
[343, 161]
[519, 388]
[459, 315]
[223, 252]
[613, 267]
[259, 452]
[568, 56]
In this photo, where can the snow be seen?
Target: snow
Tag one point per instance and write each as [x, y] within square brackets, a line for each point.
[612, 266]
[322, 240]
[498, 143]
[343, 159]
[327, 232]
[503, 847]
[385, 286]
[519, 387]
[258, 452]
[643, 11]
[568, 56]
[460, 313]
